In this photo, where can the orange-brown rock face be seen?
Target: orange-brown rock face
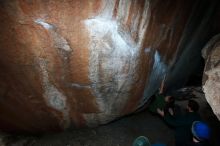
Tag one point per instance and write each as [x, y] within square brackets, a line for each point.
[80, 63]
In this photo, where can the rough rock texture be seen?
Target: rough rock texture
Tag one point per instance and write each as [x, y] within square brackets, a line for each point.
[211, 77]
[73, 63]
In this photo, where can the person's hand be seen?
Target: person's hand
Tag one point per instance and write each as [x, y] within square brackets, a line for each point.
[171, 111]
[160, 112]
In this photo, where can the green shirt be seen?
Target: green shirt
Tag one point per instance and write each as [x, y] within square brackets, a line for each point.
[159, 102]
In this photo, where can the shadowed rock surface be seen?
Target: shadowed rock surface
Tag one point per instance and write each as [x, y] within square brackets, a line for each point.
[211, 78]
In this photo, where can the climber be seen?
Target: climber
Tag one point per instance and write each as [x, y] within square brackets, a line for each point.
[182, 123]
[201, 134]
[166, 103]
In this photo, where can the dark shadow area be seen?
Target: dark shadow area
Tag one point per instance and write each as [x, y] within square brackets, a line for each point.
[121, 132]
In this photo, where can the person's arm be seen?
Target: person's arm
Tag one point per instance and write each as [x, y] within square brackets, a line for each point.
[161, 90]
[174, 121]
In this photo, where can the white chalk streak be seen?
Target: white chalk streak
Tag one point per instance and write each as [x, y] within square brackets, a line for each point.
[54, 98]
[44, 24]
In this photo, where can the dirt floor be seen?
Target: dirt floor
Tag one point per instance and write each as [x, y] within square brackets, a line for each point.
[118, 133]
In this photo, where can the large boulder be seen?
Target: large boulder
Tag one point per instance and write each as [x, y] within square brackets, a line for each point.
[211, 77]
[73, 63]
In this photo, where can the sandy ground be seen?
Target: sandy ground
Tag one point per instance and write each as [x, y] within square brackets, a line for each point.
[118, 133]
